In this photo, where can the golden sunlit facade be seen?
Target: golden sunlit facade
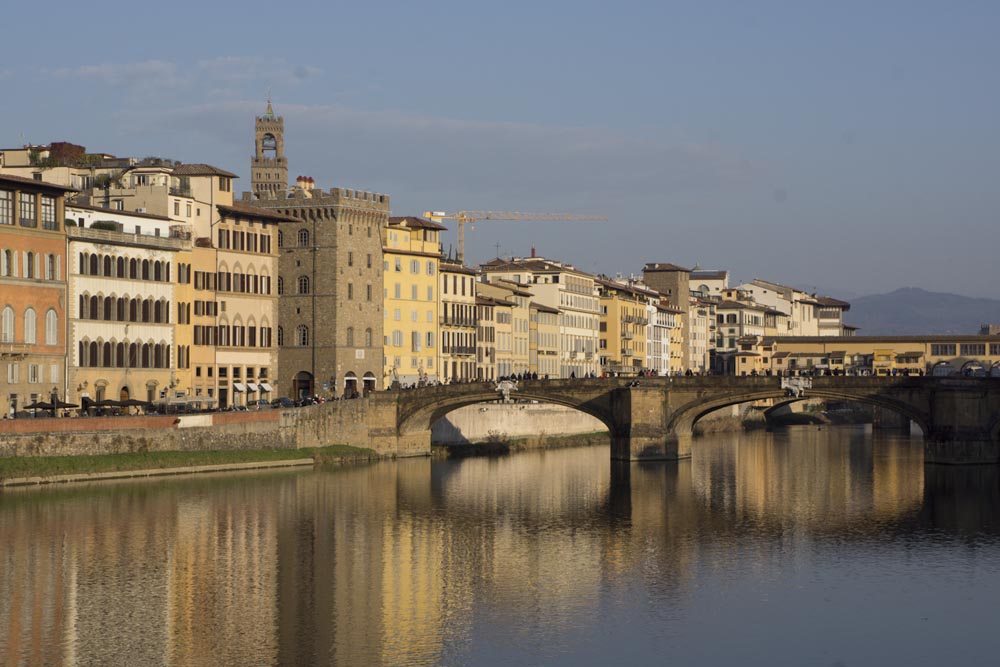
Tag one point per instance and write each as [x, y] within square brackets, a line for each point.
[411, 253]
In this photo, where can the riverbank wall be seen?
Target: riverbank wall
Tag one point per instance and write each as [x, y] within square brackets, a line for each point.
[367, 423]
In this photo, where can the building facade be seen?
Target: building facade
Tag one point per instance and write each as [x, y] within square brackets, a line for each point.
[411, 253]
[457, 319]
[32, 292]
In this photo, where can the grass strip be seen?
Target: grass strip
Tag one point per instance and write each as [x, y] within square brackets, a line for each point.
[48, 466]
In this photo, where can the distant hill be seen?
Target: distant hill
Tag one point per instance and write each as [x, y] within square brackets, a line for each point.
[912, 311]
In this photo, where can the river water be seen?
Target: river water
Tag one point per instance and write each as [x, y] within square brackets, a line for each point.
[802, 547]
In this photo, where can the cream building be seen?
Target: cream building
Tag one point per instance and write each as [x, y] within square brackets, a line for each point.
[411, 252]
[573, 293]
[544, 343]
[457, 352]
[486, 336]
[513, 318]
[124, 308]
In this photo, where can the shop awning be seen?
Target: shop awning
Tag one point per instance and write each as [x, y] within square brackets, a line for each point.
[239, 386]
[265, 387]
[251, 386]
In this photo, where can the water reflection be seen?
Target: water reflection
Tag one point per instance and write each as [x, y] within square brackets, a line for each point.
[526, 558]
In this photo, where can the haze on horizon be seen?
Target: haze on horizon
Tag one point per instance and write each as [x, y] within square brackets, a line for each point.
[848, 146]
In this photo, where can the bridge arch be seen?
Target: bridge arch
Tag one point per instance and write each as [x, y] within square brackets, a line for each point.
[431, 404]
[683, 419]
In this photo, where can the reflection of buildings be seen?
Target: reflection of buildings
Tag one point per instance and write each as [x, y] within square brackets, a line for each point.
[399, 562]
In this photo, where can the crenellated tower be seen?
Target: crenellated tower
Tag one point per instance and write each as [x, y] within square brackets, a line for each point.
[269, 166]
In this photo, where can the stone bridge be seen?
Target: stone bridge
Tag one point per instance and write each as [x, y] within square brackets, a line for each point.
[653, 417]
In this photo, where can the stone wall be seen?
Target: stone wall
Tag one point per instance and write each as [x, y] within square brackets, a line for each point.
[511, 420]
[366, 423]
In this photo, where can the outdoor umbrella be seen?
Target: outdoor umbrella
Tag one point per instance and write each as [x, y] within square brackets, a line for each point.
[63, 405]
[38, 405]
[108, 403]
[135, 403]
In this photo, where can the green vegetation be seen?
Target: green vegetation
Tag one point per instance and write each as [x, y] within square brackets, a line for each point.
[108, 225]
[49, 466]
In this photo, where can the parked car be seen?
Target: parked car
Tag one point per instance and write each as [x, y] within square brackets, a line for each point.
[283, 402]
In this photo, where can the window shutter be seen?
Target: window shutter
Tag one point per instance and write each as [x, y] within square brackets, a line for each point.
[58, 268]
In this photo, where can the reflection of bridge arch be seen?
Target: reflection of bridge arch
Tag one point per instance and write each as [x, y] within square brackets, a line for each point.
[683, 419]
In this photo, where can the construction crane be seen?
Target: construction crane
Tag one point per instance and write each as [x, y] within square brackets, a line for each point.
[463, 217]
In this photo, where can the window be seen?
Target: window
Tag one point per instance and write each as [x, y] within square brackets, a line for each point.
[303, 238]
[303, 284]
[30, 325]
[281, 286]
[7, 325]
[399, 264]
[430, 339]
[397, 338]
[942, 349]
[368, 337]
[414, 266]
[350, 258]
[49, 213]
[281, 336]
[28, 210]
[430, 293]
[368, 292]
[350, 336]
[396, 314]
[430, 268]
[973, 349]
[51, 327]
[397, 290]
[301, 335]
[350, 291]
[281, 238]
[369, 260]
[6, 207]
[6, 263]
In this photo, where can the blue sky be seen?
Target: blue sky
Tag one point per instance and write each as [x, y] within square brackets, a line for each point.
[849, 146]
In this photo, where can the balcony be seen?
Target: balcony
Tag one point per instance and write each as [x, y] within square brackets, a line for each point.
[124, 238]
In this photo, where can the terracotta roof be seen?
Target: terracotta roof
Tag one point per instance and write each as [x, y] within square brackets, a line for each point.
[256, 212]
[413, 222]
[132, 214]
[830, 302]
[658, 266]
[544, 309]
[201, 170]
[451, 267]
[745, 306]
[516, 288]
[709, 275]
[17, 180]
[533, 265]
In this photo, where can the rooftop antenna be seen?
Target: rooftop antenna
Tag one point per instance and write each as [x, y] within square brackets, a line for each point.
[498, 249]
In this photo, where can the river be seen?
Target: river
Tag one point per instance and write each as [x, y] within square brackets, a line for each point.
[805, 546]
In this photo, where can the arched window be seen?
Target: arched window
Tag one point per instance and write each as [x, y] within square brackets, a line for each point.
[93, 313]
[368, 337]
[303, 238]
[107, 361]
[51, 327]
[281, 286]
[30, 270]
[158, 356]
[158, 271]
[145, 355]
[303, 284]
[92, 359]
[145, 309]
[83, 267]
[93, 265]
[7, 325]
[133, 268]
[281, 336]
[81, 352]
[120, 355]
[120, 310]
[109, 308]
[145, 269]
[6, 263]
[301, 335]
[121, 267]
[281, 238]
[350, 336]
[50, 267]
[30, 325]
[107, 266]
[133, 310]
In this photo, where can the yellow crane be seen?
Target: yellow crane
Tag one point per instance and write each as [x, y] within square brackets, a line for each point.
[463, 217]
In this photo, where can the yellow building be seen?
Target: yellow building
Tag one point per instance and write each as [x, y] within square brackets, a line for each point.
[623, 326]
[486, 336]
[938, 355]
[411, 253]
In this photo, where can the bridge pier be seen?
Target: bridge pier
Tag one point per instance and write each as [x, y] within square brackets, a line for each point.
[640, 431]
[961, 449]
[889, 420]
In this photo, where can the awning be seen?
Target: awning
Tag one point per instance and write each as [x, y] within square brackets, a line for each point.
[239, 386]
[251, 386]
[265, 387]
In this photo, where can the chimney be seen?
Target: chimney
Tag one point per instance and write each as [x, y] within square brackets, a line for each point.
[532, 252]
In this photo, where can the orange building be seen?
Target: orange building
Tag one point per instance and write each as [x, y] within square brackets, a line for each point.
[32, 292]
